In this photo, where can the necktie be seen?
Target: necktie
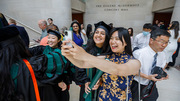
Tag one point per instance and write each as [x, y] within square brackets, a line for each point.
[155, 60]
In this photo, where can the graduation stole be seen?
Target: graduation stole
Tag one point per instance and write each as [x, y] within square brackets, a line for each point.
[33, 79]
[54, 54]
[88, 97]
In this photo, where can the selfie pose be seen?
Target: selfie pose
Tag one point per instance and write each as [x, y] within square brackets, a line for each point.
[118, 72]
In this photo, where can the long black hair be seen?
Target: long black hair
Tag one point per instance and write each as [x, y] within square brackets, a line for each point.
[123, 33]
[175, 26]
[75, 22]
[131, 31]
[89, 30]
[10, 54]
[90, 48]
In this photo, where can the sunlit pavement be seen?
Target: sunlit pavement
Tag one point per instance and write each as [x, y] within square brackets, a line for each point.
[169, 90]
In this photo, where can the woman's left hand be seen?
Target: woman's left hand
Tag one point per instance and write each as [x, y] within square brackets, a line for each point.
[96, 86]
[62, 85]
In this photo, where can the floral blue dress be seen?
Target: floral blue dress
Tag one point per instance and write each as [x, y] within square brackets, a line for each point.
[114, 87]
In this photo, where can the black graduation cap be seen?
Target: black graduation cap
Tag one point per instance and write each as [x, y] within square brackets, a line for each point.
[56, 33]
[8, 32]
[102, 25]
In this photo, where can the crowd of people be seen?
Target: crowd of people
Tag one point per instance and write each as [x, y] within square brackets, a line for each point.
[45, 72]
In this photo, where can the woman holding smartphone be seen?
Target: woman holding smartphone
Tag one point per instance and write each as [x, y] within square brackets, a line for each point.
[118, 72]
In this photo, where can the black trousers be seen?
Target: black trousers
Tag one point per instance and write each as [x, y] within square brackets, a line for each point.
[82, 91]
[135, 92]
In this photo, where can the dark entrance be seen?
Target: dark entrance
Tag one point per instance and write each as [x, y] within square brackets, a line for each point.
[165, 17]
[78, 17]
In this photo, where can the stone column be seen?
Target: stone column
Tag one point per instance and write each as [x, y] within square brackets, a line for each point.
[62, 13]
[176, 14]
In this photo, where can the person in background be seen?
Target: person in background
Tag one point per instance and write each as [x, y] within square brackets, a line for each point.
[173, 41]
[83, 34]
[162, 26]
[3, 21]
[111, 25]
[89, 32]
[22, 31]
[43, 26]
[44, 41]
[142, 39]
[63, 29]
[156, 23]
[95, 46]
[175, 55]
[150, 56]
[77, 33]
[118, 71]
[50, 21]
[130, 30]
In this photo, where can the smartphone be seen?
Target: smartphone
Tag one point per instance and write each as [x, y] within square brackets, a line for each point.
[68, 35]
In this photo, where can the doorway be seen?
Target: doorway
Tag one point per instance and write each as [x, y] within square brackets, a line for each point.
[78, 17]
[165, 17]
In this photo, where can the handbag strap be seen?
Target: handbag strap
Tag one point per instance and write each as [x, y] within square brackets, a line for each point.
[33, 79]
[139, 89]
[127, 88]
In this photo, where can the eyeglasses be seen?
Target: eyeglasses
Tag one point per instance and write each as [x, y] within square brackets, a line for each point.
[74, 26]
[162, 42]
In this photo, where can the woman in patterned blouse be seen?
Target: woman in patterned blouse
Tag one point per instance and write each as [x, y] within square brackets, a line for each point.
[118, 71]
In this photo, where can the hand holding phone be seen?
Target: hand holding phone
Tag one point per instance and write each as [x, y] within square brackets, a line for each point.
[68, 36]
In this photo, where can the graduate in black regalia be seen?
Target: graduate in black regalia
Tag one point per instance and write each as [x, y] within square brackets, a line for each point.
[16, 81]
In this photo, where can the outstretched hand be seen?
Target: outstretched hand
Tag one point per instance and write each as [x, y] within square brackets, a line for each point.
[65, 49]
[76, 51]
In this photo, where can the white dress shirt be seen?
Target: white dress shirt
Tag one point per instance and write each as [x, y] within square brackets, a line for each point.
[146, 58]
[141, 41]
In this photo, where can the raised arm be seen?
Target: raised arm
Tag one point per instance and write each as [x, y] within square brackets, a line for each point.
[67, 53]
[78, 54]
[129, 68]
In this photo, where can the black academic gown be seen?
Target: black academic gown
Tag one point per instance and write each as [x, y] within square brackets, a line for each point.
[47, 85]
[82, 77]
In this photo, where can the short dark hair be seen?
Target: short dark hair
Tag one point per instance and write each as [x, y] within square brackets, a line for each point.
[50, 19]
[158, 32]
[147, 25]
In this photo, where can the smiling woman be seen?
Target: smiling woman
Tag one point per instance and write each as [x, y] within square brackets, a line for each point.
[96, 45]
[59, 89]
[118, 71]
[77, 33]
[54, 39]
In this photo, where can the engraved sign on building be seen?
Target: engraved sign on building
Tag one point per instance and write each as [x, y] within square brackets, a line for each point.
[122, 13]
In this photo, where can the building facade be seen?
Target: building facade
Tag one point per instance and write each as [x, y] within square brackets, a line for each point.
[122, 13]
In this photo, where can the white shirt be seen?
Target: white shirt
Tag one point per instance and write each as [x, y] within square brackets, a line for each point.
[84, 37]
[141, 41]
[171, 47]
[146, 58]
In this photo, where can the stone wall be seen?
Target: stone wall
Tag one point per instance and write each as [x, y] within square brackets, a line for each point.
[30, 11]
[122, 13]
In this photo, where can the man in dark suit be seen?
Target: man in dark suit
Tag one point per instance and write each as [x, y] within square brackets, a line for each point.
[22, 31]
